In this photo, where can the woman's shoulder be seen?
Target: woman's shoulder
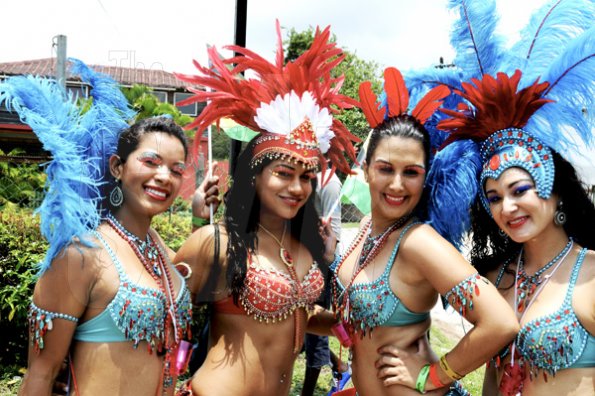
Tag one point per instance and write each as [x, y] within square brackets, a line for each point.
[202, 243]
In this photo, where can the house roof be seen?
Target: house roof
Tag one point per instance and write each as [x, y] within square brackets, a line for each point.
[154, 78]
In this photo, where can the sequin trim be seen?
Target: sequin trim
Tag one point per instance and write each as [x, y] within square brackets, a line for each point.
[42, 321]
[460, 296]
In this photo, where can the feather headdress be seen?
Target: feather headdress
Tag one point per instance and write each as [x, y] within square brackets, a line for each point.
[290, 105]
[556, 47]
[79, 143]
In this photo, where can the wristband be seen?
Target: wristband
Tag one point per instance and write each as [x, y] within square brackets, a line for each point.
[434, 377]
[184, 270]
[453, 375]
[422, 377]
[199, 221]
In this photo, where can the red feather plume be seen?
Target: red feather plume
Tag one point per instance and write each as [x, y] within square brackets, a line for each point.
[496, 105]
[430, 103]
[396, 92]
[369, 105]
[228, 94]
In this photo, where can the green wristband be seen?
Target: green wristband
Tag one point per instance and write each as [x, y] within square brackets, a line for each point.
[199, 221]
[422, 377]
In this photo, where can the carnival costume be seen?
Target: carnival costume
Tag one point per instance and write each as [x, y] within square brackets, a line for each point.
[290, 108]
[81, 143]
[361, 307]
[517, 107]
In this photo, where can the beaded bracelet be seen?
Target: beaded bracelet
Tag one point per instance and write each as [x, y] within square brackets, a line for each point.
[199, 221]
[448, 370]
[422, 377]
[462, 294]
[184, 270]
[41, 321]
[434, 377]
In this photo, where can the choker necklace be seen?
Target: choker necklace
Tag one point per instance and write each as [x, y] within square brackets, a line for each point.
[147, 248]
[283, 253]
[527, 284]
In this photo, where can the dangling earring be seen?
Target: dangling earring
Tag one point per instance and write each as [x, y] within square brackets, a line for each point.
[502, 233]
[116, 197]
[560, 215]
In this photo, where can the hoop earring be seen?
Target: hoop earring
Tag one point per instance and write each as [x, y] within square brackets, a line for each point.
[116, 197]
[502, 233]
[560, 215]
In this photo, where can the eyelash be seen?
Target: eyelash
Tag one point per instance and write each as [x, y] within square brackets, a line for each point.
[155, 162]
[286, 175]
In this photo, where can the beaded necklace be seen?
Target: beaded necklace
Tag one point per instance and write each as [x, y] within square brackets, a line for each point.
[299, 314]
[370, 249]
[166, 287]
[147, 248]
[511, 383]
[527, 284]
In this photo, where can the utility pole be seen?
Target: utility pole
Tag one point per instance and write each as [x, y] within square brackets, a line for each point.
[60, 44]
[240, 39]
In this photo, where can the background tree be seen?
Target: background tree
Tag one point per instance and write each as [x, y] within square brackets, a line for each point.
[355, 70]
[146, 104]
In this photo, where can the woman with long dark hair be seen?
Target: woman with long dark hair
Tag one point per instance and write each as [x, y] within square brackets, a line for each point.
[260, 268]
[391, 276]
[532, 237]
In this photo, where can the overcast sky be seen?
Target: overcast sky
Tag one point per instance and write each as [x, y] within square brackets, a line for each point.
[170, 34]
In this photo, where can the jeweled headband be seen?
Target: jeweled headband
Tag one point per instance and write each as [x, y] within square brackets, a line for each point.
[514, 147]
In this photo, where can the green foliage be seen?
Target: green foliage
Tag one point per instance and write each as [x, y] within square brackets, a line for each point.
[355, 70]
[220, 144]
[173, 227]
[147, 105]
[21, 247]
[20, 184]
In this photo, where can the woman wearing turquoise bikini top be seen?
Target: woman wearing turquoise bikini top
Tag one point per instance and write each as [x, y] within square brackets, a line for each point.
[393, 273]
[117, 308]
[537, 247]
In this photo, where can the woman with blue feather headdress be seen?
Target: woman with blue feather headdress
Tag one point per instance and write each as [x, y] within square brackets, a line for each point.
[107, 297]
[521, 111]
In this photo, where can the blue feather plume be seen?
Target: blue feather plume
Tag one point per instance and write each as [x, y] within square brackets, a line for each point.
[452, 187]
[478, 47]
[573, 89]
[103, 122]
[53, 116]
[80, 145]
[548, 33]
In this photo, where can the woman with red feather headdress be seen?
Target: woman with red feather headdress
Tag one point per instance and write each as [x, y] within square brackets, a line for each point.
[265, 281]
[390, 277]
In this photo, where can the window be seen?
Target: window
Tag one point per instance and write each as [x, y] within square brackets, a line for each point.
[191, 109]
[78, 91]
[161, 95]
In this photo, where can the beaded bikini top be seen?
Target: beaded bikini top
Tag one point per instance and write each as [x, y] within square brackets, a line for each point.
[136, 313]
[374, 304]
[270, 295]
[556, 341]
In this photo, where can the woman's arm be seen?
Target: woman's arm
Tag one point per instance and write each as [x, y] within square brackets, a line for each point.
[62, 295]
[198, 252]
[320, 321]
[440, 265]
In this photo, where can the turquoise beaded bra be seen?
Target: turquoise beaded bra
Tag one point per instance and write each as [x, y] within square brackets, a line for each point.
[556, 341]
[136, 313]
[374, 303]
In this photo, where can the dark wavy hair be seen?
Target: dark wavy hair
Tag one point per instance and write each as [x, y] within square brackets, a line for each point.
[242, 213]
[407, 127]
[130, 137]
[490, 249]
